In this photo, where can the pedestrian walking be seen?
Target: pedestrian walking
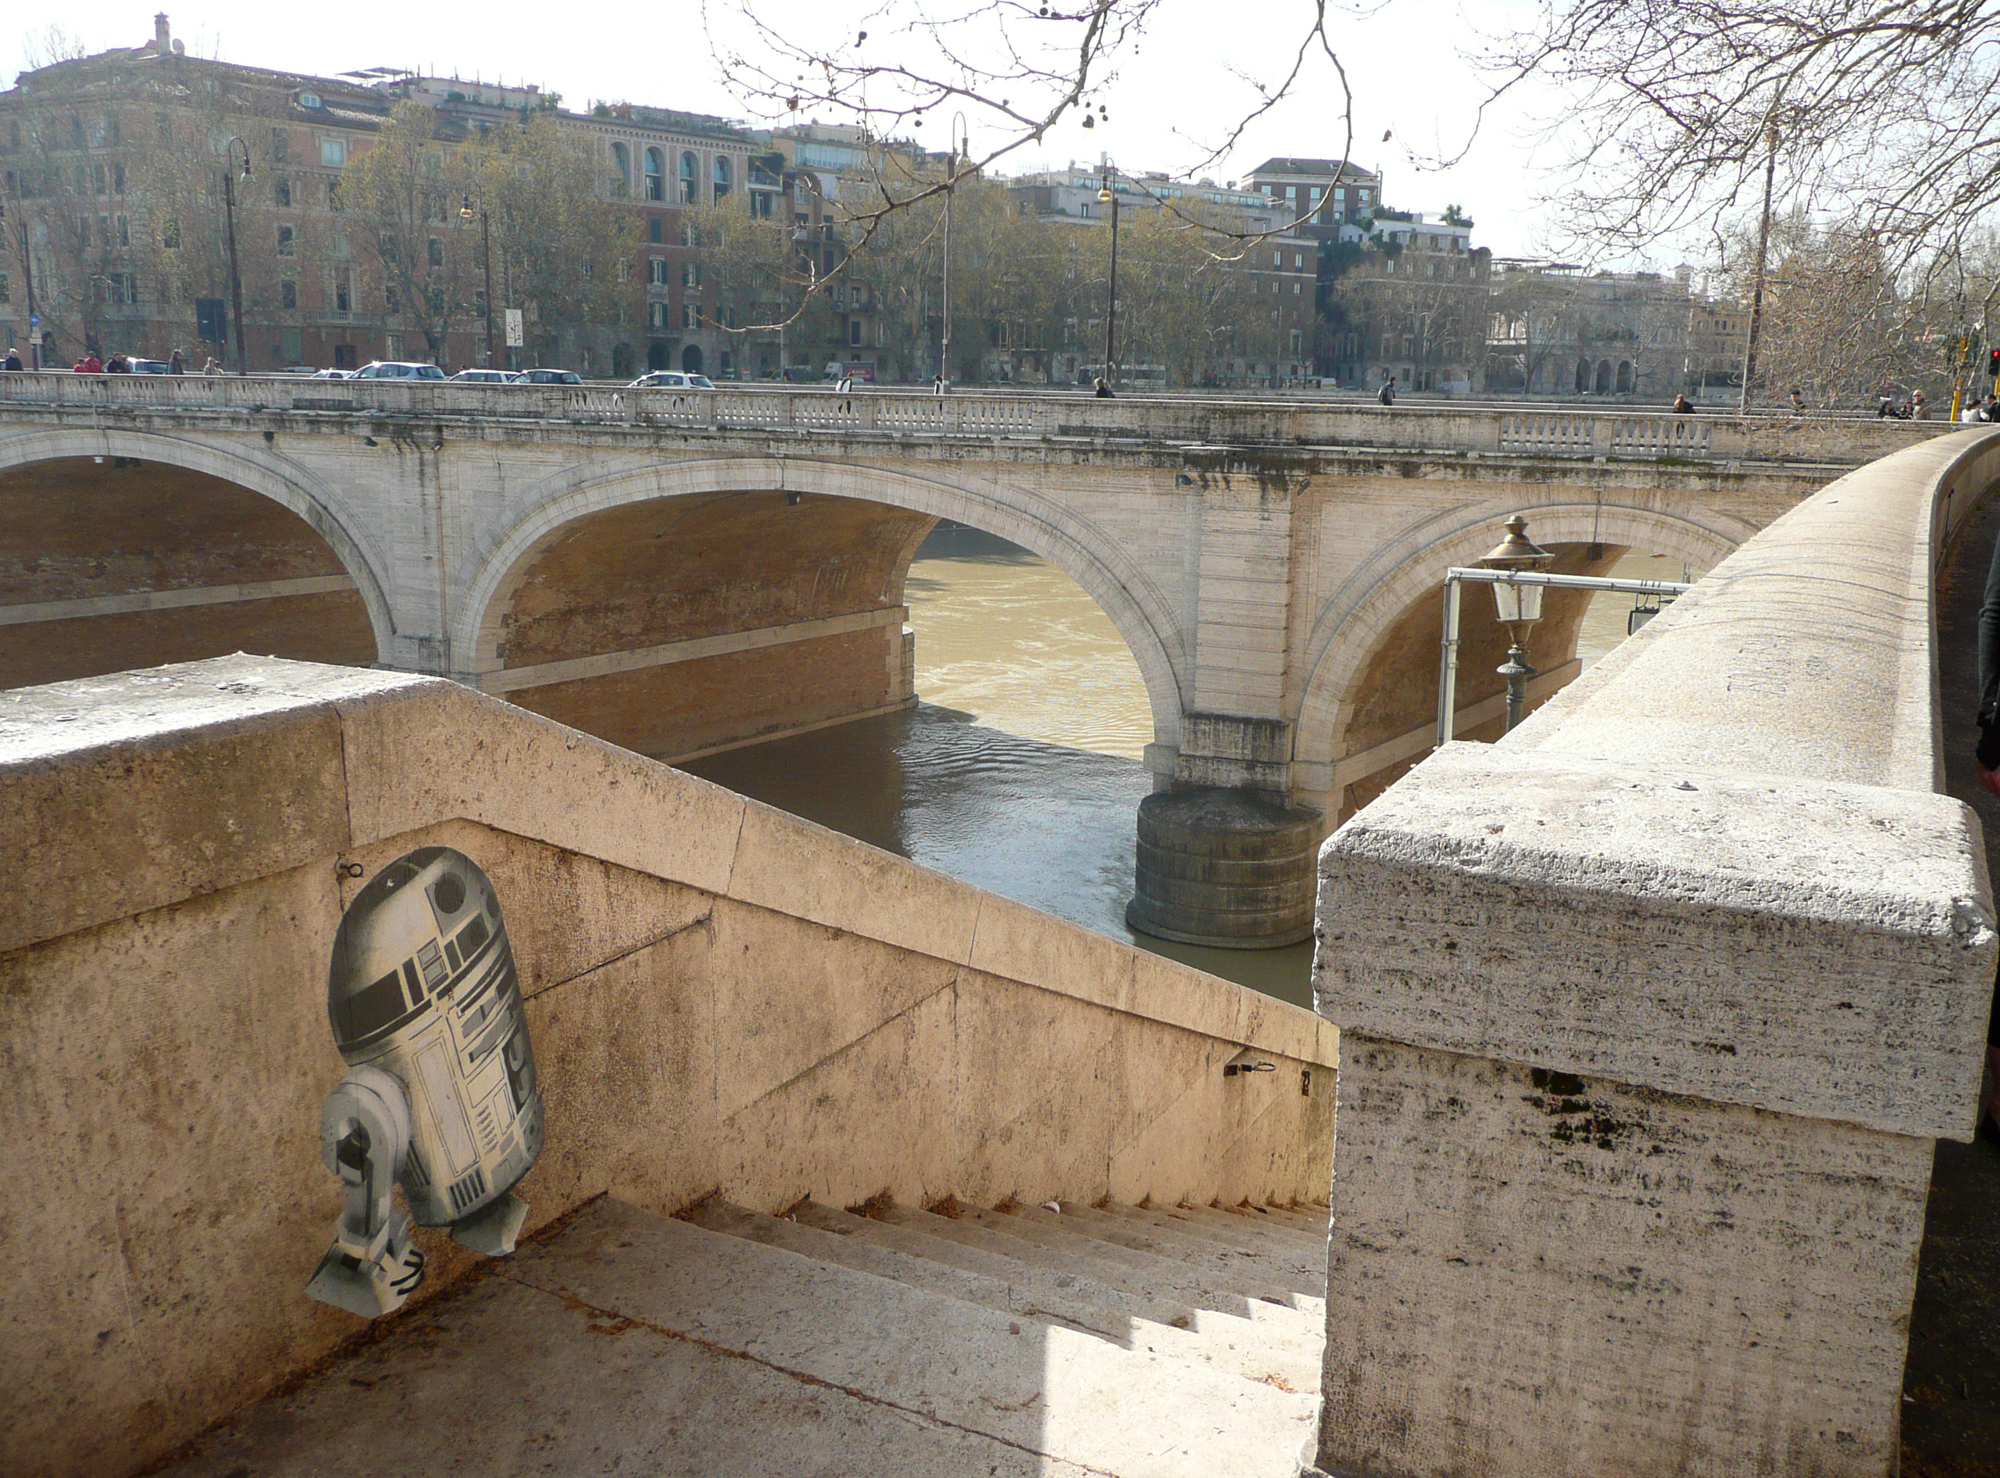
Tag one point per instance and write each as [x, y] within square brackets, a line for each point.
[1387, 394]
[13, 360]
[176, 365]
[1103, 391]
[211, 368]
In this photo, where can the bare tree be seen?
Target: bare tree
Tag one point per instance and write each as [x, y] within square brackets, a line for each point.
[1019, 67]
[405, 194]
[1885, 114]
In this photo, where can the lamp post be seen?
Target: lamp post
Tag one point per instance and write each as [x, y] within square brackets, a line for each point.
[1106, 193]
[229, 208]
[486, 261]
[27, 278]
[1519, 606]
[952, 157]
[1763, 251]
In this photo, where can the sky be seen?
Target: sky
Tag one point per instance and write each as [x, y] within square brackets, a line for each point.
[1172, 101]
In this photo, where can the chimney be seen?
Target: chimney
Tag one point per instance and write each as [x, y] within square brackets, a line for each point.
[163, 38]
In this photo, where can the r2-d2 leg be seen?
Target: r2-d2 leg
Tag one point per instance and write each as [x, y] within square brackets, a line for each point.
[364, 1136]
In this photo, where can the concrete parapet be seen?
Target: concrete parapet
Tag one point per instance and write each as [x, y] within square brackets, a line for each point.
[1650, 1015]
[721, 997]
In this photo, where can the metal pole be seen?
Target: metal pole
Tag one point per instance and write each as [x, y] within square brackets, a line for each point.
[944, 343]
[486, 252]
[235, 278]
[1517, 672]
[1448, 663]
[1111, 314]
[1757, 291]
[28, 282]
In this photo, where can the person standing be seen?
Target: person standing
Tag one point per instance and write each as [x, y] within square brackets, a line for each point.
[1920, 407]
[176, 365]
[1387, 394]
[12, 363]
[1682, 405]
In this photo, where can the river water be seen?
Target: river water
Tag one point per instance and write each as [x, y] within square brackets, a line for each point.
[1019, 769]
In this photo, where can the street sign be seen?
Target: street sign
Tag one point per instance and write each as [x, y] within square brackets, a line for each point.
[516, 336]
[34, 320]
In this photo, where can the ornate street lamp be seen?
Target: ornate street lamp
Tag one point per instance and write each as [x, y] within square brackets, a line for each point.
[1520, 607]
[486, 258]
[229, 205]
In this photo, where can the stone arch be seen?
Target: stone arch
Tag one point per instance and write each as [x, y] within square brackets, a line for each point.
[1582, 376]
[691, 359]
[1136, 607]
[1603, 377]
[1411, 569]
[1624, 377]
[263, 473]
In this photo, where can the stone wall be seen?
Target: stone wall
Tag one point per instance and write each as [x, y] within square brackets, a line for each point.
[1651, 1014]
[721, 997]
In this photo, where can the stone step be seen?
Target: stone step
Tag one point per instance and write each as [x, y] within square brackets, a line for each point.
[1312, 1220]
[1269, 1327]
[1212, 1263]
[629, 1342]
[1248, 1219]
[1066, 1248]
[1299, 1257]
[1249, 1351]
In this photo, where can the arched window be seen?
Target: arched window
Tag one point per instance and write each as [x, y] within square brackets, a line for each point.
[656, 175]
[1603, 377]
[621, 171]
[721, 178]
[689, 178]
[1582, 376]
[1624, 377]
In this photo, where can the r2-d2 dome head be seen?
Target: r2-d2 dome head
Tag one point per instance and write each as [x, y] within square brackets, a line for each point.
[422, 986]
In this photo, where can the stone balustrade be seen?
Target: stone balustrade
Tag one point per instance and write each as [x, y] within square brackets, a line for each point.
[1430, 427]
[1651, 1014]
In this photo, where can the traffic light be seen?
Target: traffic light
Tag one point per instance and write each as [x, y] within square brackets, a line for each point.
[1993, 363]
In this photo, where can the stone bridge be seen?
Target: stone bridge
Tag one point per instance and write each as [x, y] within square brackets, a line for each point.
[682, 573]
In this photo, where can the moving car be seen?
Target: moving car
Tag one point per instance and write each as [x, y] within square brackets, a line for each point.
[396, 369]
[671, 380]
[150, 367]
[484, 376]
[332, 374]
[548, 377]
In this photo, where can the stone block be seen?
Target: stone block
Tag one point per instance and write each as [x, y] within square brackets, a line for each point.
[1535, 1273]
[130, 792]
[1810, 948]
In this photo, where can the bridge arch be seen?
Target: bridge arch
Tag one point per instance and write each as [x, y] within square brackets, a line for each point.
[266, 474]
[1087, 554]
[1407, 574]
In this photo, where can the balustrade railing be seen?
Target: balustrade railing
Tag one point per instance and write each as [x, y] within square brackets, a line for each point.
[1431, 428]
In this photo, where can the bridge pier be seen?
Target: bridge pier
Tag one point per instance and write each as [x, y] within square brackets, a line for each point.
[1224, 859]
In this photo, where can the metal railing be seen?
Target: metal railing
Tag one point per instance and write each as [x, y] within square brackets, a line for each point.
[1458, 575]
[1428, 429]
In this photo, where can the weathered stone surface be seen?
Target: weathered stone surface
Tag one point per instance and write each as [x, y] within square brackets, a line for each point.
[129, 792]
[1794, 945]
[720, 997]
[1534, 1273]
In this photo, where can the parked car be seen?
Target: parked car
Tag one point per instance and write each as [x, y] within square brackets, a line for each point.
[484, 376]
[396, 369]
[671, 380]
[332, 374]
[548, 377]
[150, 367]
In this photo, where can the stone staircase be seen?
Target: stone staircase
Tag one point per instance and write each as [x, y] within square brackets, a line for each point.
[1021, 1341]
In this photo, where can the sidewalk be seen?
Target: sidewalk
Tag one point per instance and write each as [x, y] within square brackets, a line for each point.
[1951, 1383]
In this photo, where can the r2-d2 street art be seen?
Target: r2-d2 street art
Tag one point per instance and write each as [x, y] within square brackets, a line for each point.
[440, 1093]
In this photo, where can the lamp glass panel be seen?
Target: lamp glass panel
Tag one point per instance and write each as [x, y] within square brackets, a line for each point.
[1531, 601]
[1507, 598]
